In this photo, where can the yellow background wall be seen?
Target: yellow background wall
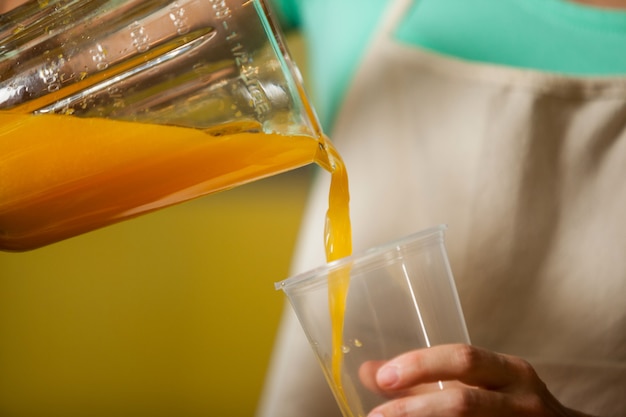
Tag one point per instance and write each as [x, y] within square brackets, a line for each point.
[172, 314]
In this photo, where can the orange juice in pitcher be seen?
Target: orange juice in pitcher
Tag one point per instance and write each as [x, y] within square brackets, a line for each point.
[97, 171]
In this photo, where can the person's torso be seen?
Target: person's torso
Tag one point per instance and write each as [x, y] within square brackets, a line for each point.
[527, 169]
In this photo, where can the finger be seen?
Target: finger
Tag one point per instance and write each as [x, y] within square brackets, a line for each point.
[367, 375]
[466, 402]
[468, 364]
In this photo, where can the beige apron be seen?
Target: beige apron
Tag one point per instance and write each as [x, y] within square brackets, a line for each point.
[529, 171]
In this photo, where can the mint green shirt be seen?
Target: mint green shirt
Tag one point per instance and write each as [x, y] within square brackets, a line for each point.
[548, 35]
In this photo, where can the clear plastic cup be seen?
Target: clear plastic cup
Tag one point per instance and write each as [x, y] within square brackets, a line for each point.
[400, 296]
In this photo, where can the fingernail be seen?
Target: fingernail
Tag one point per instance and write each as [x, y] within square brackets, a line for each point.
[376, 414]
[388, 376]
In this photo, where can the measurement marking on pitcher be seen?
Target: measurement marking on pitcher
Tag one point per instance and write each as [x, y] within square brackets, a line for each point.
[249, 75]
[178, 16]
[222, 11]
[50, 74]
[139, 37]
[232, 34]
[99, 56]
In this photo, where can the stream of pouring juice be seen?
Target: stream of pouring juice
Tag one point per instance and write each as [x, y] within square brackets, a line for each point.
[61, 176]
[338, 244]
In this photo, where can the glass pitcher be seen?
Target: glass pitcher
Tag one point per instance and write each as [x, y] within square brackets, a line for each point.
[110, 109]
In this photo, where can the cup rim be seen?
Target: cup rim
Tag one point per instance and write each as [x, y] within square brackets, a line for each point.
[360, 256]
